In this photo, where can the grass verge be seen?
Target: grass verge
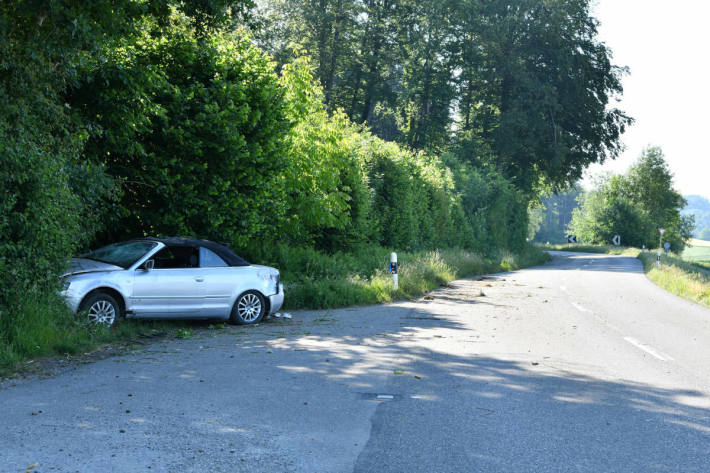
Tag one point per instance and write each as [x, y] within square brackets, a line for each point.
[361, 277]
[41, 326]
[686, 279]
[680, 277]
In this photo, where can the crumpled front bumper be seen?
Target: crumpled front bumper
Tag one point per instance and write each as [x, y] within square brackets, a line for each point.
[72, 299]
[276, 301]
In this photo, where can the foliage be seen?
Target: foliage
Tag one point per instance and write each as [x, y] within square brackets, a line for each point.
[555, 215]
[344, 186]
[525, 87]
[200, 147]
[324, 182]
[634, 206]
[47, 193]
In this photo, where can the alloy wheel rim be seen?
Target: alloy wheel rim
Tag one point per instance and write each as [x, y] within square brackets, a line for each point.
[249, 307]
[102, 312]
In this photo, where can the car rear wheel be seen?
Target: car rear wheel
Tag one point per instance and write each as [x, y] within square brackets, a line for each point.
[249, 309]
[102, 308]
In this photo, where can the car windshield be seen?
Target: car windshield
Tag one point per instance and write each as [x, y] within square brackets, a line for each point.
[121, 254]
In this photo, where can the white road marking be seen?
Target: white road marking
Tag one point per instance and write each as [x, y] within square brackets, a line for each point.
[580, 308]
[651, 351]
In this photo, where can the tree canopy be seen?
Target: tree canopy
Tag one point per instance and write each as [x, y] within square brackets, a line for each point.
[524, 87]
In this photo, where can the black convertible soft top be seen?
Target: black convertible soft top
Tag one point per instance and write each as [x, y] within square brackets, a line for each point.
[221, 250]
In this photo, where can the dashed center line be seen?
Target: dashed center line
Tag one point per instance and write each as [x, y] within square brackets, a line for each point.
[650, 350]
[641, 346]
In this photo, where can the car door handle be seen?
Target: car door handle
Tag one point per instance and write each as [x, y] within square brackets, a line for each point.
[199, 279]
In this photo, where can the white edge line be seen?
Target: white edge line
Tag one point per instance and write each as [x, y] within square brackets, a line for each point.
[647, 349]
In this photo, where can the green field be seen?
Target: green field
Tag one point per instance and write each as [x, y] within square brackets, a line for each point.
[698, 252]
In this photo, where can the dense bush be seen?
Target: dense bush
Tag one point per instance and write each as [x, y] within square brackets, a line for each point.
[50, 198]
[192, 126]
[345, 187]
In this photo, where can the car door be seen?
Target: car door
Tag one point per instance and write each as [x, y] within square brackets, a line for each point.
[221, 283]
[173, 288]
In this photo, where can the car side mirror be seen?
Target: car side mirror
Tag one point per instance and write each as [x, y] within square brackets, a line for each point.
[148, 265]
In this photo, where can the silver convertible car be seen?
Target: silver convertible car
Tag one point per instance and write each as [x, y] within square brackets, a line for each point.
[171, 278]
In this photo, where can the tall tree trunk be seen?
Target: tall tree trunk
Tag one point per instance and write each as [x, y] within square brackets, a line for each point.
[324, 26]
[335, 52]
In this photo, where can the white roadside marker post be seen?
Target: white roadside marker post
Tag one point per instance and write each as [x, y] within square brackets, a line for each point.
[393, 270]
[660, 239]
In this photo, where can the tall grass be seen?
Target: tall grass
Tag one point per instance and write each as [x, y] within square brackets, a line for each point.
[361, 277]
[679, 277]
[41, 325]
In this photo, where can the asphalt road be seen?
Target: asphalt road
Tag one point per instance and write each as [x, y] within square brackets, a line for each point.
[580, 365]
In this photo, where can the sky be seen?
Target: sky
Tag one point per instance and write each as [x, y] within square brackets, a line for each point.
[666, 46]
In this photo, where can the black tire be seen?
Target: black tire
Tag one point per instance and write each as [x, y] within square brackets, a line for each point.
[249, 309]
[102, 308]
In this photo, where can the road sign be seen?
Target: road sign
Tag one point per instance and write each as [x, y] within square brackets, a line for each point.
[661, 231]
[616, 240]
[571, 238]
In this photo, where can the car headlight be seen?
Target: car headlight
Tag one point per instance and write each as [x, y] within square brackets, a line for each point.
[65, 285]
[270, 276]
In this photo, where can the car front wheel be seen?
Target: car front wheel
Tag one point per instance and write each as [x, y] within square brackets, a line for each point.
[102, 308]
[249, 309]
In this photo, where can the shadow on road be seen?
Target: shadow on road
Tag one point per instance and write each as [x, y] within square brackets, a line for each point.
[492, 414]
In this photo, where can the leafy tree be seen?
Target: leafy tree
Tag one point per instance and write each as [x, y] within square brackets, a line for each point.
[525, 87]
[556, 214]
[634, 206]
[323, 178]
[46, 205]
[192, 124]
[601, 218]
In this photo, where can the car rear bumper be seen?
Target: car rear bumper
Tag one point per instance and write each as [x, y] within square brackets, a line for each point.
[276, 301]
